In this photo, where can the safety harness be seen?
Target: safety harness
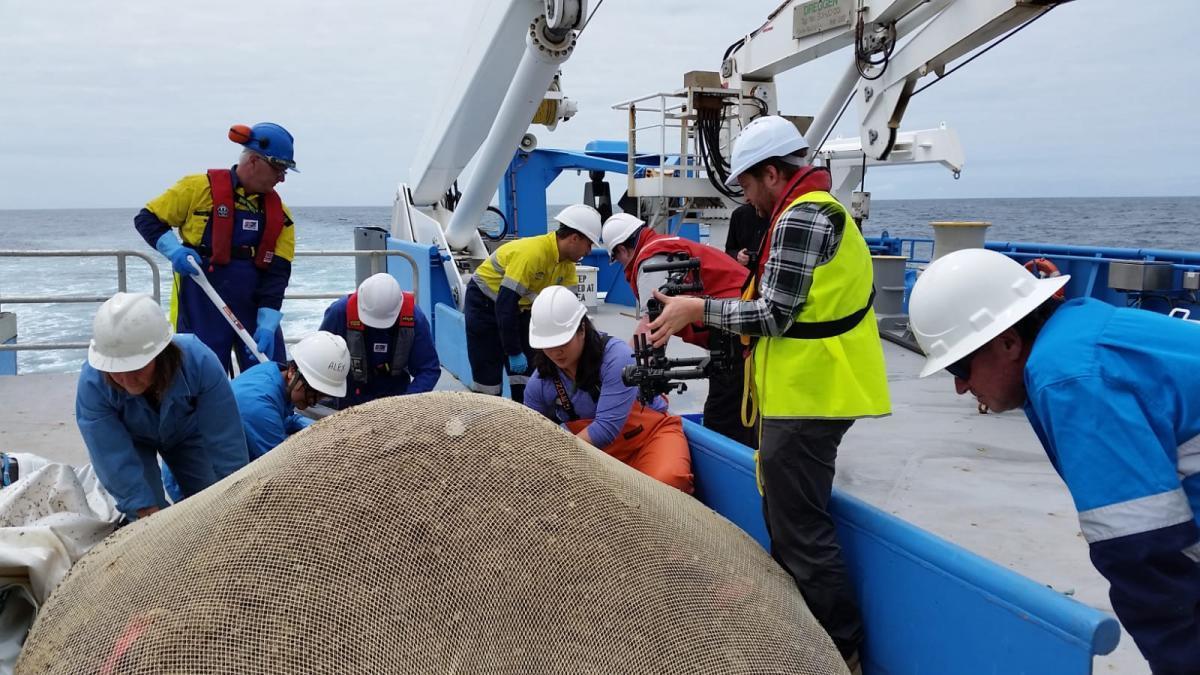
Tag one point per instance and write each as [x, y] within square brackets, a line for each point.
[564, 401]
[356, 340]
[220, 182]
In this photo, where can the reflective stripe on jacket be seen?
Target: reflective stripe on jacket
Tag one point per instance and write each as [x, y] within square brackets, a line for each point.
[1114, 396]
[526, 266]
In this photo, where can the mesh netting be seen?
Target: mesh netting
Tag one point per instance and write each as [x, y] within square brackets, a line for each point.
[440, 533]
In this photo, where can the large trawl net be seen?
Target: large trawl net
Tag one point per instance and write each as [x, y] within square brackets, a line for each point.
[440, 533]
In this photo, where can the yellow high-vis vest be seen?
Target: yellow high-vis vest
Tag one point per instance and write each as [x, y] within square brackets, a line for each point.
[840, 377]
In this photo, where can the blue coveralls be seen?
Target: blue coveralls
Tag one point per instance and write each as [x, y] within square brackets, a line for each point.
[419, 375]
[188, 206]
[1114, 396]
[268, 415]
[195, 428]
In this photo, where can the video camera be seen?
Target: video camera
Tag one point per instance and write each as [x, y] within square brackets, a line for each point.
[652, 372]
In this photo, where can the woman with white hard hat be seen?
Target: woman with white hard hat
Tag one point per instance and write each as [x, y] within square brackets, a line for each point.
[269, 394]
[143, 394]
[577, 382]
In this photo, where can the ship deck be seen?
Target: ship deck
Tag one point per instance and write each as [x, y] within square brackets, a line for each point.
[981, 481]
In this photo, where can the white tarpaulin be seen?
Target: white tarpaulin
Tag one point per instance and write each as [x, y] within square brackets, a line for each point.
[48, 520]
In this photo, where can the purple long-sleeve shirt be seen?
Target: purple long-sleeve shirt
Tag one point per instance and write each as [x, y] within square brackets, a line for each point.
[609, 412]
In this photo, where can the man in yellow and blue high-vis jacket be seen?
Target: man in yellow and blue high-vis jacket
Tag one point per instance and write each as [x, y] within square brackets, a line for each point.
[233, 223]
[501, 292]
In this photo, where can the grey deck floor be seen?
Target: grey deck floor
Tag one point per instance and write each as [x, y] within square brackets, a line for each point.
[981, 481]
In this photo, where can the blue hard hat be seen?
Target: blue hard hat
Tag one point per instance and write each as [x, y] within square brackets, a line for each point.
[271, 141]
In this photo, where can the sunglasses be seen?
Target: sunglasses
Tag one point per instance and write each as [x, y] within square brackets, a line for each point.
[280, 167]
[962, 367]
[311, 395]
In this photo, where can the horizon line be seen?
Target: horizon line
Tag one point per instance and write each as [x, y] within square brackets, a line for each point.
[548, 204]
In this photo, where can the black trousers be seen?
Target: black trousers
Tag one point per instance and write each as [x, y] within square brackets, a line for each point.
[723, 407]
[484, 351]
[797, 458]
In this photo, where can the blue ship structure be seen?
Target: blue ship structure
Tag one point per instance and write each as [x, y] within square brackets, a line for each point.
[929, 606]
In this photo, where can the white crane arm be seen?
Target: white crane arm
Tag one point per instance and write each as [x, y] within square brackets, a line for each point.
[934, 33]
[472, 96]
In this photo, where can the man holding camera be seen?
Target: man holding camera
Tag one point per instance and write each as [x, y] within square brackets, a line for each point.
[817, 361]
[634, 245]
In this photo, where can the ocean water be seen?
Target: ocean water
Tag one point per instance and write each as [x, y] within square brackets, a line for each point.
[1167, 222]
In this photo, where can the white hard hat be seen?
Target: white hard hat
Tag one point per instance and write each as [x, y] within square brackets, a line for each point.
[763, 138]
[324, 361]
[969, 297]
[379, 300]
[619, 228]
[554, 318]
[128, 332]
[583, 219]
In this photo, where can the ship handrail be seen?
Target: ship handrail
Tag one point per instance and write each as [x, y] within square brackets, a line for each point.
[122, 283]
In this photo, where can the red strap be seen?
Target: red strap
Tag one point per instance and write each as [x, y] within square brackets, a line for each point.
[266, 246]
[808, 179]
[407, 318]
[220, 183]
[352, 320]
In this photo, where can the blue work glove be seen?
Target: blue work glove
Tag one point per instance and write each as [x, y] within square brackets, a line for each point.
[168, 245]
[518, 364]
[264, 334]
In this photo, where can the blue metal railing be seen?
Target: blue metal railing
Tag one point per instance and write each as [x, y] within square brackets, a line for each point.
[1087, 265]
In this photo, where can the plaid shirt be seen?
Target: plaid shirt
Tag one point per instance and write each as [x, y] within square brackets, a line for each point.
[806, 236]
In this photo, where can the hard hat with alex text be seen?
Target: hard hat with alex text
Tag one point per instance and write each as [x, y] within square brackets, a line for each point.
[129, 330]
[966, 298]
[324, 361]
[379, 300]
[763, 138]
[619, 228]
[554, 318]
[583, 219]
[267, 139]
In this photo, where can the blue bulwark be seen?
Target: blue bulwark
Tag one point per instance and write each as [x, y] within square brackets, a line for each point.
[8, 336]
[450, 339]
[929, 607]
[434, 287]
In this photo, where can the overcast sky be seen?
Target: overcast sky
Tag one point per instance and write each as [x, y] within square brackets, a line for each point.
[107, 103]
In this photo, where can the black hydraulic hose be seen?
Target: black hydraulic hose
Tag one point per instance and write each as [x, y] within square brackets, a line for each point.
[503, 230]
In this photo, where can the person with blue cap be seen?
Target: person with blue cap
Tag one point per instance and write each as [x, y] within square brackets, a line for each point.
[390, 341]
[146, 392]
[233, 224]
